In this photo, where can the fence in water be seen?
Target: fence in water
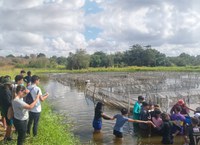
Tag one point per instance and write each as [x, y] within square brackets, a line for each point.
[121, 89]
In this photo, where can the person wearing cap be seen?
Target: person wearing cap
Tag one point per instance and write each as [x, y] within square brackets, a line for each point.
[136, 111]
[184, 109]
[6, 103]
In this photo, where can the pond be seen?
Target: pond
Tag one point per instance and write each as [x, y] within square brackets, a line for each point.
[70, 100]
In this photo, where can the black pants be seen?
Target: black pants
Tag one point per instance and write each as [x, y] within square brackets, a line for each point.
[21, 126]
[33, 119]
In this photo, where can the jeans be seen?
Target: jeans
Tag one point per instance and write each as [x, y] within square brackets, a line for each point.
[21, 127]
[33, 119]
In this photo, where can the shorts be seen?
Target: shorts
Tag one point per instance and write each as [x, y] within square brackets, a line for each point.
[97, 124]
[118, 134]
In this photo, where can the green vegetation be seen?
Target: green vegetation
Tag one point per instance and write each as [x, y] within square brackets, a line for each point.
[52, 128]
[136, 55]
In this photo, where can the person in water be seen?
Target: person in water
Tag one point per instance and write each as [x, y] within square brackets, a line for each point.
[98, 115]
[121, 119]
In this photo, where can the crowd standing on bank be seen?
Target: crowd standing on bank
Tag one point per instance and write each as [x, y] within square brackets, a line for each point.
[20, 105]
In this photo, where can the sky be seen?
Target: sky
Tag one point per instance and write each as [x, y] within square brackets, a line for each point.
[57, 27]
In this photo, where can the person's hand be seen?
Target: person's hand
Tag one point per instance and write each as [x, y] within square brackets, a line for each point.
[150, 122]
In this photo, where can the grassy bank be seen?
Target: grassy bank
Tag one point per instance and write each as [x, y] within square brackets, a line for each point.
[52, 130]
[13, 71]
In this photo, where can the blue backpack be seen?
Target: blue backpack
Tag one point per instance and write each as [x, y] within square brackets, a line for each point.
[29, 98]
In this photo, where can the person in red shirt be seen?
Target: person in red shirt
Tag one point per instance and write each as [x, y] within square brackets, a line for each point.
[184, 109]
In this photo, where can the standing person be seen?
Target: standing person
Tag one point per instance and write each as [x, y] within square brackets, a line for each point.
[6, 104]
[98, 115]
[121, 119]
[136, 112]
[34, 114]
[22, 73]
[166, 129]
[184, 109]
[20, 109]
[27, 79]
[191, 131]
[3, 119]
[179, 119]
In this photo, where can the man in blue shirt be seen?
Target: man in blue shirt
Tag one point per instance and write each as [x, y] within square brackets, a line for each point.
[121, 119]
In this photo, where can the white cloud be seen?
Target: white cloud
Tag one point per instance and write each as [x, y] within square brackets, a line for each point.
[41, 26]
[58, 26]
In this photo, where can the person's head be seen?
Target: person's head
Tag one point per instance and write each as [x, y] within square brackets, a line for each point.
[6, 81]
[156, 106]
[145, 105]
[165, 117]
[19, 79]
[124, 111]
[151, 106]
[22, 72]
[178, 109]
[20, 91]
[194, 121]
[29, 73]
[157, 113]
[140, 99]
[180, 102]
[35, 79]
[99, 106]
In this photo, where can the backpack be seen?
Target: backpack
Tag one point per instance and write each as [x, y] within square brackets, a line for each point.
[29, 98]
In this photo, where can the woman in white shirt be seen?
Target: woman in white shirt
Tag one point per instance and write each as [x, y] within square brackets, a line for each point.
[21, 116]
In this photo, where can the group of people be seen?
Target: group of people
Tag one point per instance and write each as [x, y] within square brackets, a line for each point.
[14, 106]
[150, 119]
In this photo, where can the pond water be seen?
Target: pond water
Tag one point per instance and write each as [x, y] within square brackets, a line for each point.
[71, 101]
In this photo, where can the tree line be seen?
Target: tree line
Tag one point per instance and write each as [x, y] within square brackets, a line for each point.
[136, 55]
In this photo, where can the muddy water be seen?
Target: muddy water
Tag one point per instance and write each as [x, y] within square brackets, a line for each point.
[71, 101]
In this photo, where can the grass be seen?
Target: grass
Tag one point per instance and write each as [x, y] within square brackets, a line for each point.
[52, 130]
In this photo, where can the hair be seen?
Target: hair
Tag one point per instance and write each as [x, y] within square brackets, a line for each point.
[157, 112]
[22, 71]
[18, 78]
[124, 111]
[29, 73]
[157, 105]
[194, 120]
[20, 88]
[99, 106]
[34, 78]
[140, 98]
[164, 116]
[7, 76]
[144, 104]
[178, 109]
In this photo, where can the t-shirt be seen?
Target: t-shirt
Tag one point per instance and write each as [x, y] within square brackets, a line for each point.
[158, 122]
[19, 112]
[37, 108]
[120, 122]
[136, 110]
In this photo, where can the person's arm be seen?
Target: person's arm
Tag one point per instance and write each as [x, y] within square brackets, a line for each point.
[27, 106]
[106, 117]
[141, 121]
[42, 98]
[190, 109]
